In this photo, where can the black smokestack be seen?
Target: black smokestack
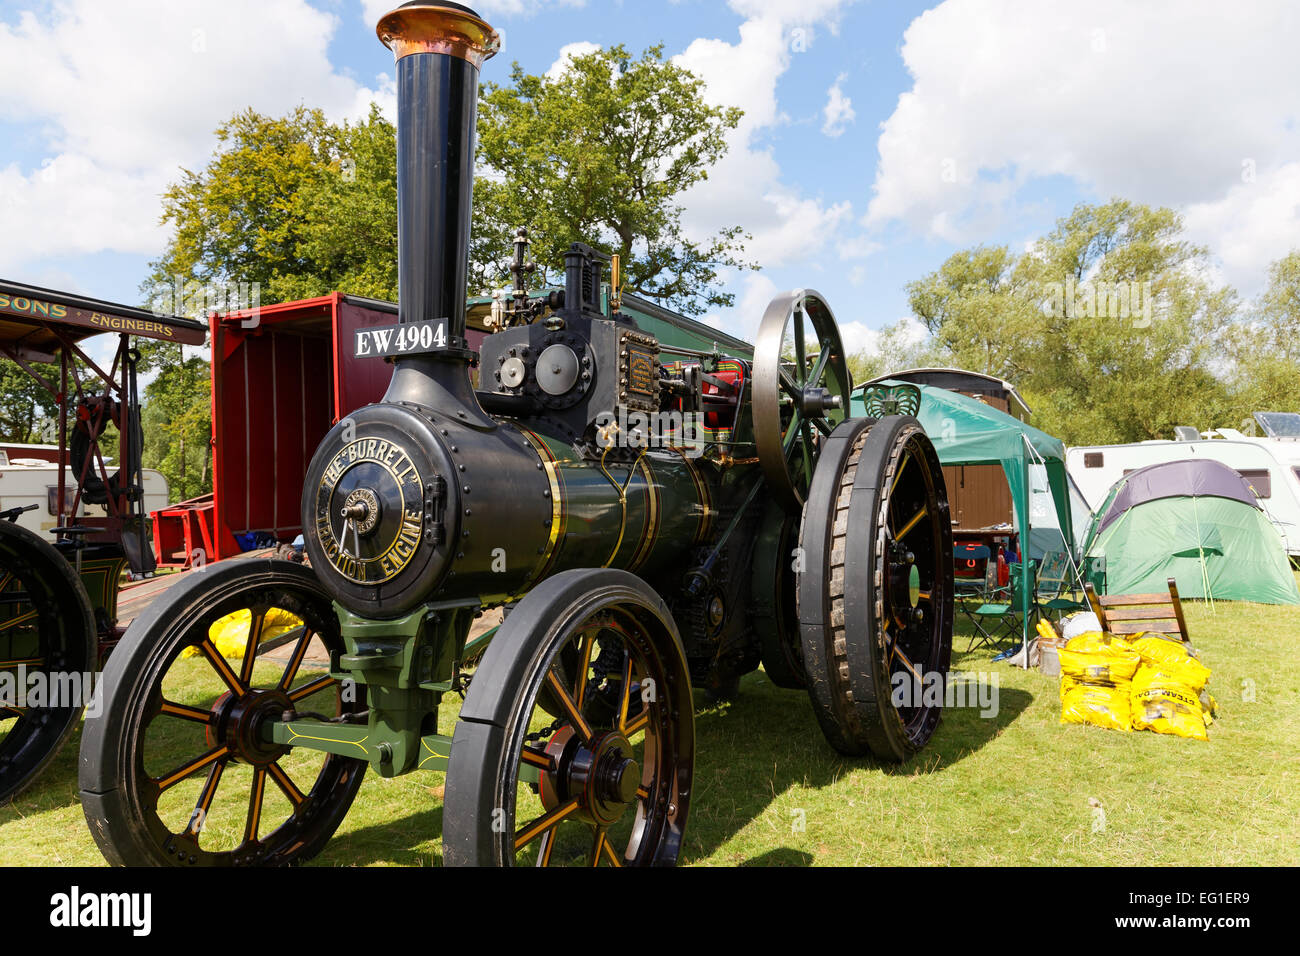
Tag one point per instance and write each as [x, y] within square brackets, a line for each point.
[439, 48]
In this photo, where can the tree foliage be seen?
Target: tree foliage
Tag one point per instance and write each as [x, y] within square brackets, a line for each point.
[177, 422]
[1113, 327]
[603, 153]
[28, 415]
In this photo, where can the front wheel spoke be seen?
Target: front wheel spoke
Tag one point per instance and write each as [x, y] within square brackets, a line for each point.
[295, 662]
[204, 804]
[570, 709]
[637, 724]
[544, 852]
[598, 848]
[286, 785]
[167, 781]
[610, 854]
[255, 798]
[185, 712]
[822, 426]
[545, 822]
[580, 691]
[222, 667]
[311, 687]
[537, 758]
[625, 699]
[256, 620]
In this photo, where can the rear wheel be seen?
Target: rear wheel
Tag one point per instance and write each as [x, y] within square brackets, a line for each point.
[605, 783]
[47, 655]
[875, 598]
[176, 770]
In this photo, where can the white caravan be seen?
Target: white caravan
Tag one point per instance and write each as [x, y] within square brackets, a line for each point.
[32, 481]
[1271, 463]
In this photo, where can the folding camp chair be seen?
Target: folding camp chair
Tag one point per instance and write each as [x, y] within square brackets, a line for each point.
[1137, 613]
[1057, 587]
[1004, 607]
[970, 565]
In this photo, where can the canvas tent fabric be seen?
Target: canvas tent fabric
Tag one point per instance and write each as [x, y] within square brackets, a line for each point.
[965, 431]
[1197, 522]
[1045, 535]
[1190, 478]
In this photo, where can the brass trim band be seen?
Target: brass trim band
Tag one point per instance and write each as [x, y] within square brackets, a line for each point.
[431, 28]
[559, 518]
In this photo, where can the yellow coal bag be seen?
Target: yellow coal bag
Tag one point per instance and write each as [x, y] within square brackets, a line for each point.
[230, 633]
[1102, 705]
[1167, 689]
[1173, 658]
[1096, 676]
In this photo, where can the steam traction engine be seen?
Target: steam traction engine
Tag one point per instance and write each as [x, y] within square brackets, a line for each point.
[653, 519]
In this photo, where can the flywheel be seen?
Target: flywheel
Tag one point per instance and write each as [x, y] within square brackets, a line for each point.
[801, 391]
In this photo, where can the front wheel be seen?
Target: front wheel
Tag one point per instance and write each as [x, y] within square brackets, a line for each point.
[176, 770]
[608, 781]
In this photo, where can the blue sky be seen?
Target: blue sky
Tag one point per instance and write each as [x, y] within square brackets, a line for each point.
[879, 137]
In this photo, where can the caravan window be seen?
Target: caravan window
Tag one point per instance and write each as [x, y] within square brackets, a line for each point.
[1093, 459]
[1260, 481]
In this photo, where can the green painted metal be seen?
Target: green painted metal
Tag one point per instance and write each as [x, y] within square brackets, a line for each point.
[358, 740]
[405, 666]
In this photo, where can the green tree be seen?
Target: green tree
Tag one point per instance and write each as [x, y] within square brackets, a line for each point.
[300, 206]
[27, 411]
[1266, 348]
[1108, 325]
[603, 153]
[239, 219]
[177, 422]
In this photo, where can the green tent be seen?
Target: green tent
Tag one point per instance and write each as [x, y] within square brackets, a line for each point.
[1198, 522]
[965, 431]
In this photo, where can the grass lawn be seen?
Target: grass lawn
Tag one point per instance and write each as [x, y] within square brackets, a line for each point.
[1017, 788]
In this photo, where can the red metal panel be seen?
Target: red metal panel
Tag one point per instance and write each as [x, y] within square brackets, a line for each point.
[272, 398]
[357, 382]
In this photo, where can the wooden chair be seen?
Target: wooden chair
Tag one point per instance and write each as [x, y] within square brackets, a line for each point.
[1135, 613]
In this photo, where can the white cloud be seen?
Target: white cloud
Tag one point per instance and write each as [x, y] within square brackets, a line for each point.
[1250, 226]
[1159, 102]
[565, 58]
[125, 94]
[746, 187]
[372, 10]
[838, 111]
